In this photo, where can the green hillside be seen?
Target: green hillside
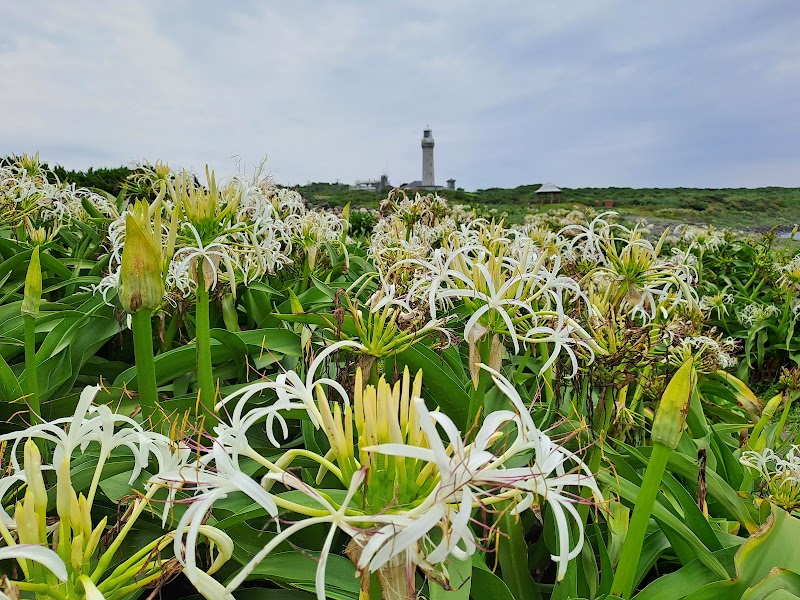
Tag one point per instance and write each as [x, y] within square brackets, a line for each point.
[738, 208]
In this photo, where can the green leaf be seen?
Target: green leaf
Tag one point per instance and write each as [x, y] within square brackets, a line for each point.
[487, 585]
[513, 557]
[10, 389]
[270, 594]
[236, 347]
[460, 581]
[174, 363]
[774, 545]
[630, 492]
[441, 383]
[653, 547]
[718, 489]
[685, 580]
[298, 569]
[779, 581]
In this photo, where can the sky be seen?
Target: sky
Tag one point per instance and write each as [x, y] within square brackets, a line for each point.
[580, 93]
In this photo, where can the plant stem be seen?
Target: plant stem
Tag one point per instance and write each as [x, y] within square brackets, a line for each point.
[205, 373]
[31, 375]
[478, 392]
[108, 556]
[632, 547]
[141, 323]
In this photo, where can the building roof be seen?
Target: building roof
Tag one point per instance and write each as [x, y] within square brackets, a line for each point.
[548, 187]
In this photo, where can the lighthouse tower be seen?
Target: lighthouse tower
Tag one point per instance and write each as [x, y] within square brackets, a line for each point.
[427, 159]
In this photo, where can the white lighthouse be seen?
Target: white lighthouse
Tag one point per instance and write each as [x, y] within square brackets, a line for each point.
[428, 179]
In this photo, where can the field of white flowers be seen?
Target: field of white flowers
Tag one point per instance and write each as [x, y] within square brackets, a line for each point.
[212, 388]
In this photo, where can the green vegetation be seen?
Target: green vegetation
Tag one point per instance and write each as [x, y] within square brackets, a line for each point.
[735, 208]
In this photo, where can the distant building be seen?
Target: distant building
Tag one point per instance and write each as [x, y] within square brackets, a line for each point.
[417, 183]
[373, 185]
[548, 192]
[428, 181]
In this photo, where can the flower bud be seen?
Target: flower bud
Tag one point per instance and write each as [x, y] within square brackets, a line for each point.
[33, 476]
[671, 414]
[33, 286]
[76, 554]
[141, 282]
[27, 521]
[64, 492]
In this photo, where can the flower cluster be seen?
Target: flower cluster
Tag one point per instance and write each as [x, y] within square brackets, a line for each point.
[222, 234]
[78, 565]
[412, 481]
[32, 195]
[780, 476]
[754, 314]
[706, 239]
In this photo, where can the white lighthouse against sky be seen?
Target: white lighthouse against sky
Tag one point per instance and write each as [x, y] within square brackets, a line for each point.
[428, 179]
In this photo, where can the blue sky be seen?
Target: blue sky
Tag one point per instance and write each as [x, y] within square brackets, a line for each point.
[580, 93]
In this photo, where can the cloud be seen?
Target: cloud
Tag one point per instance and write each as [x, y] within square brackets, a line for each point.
[598, 92]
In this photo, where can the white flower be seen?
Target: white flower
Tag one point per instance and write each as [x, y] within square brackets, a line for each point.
[290, 388]
[337, 517]
[471, 474]
[189, 259]
[43, 556]
[753, 314]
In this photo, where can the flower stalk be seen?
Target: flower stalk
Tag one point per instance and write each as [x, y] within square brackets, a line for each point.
[31, 300]
[141, 291]
[141, 325]
[668, 425]
[205, 376]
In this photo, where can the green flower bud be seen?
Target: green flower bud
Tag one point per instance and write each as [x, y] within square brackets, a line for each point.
[33, 286]
[33, 475]
[64, 491]
[141, 282]
[671, 414]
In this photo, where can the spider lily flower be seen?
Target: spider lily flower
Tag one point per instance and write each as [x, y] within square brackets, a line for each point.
[85, 568]
[710, 354]
[411, 491]
[192, 258]
[755, 314]
[149, 178]
[589, 241]
[506, 295]
[311, 229]
[638, 281]
[780, 476]
[210, 216]
[717, 303]
[371, 486]
[790, 275]
[337, 516]
[82, 428]
[385, 329]
[208, 208]
[39, 236]
[28, 195]
[291, 391]
[470, 475]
